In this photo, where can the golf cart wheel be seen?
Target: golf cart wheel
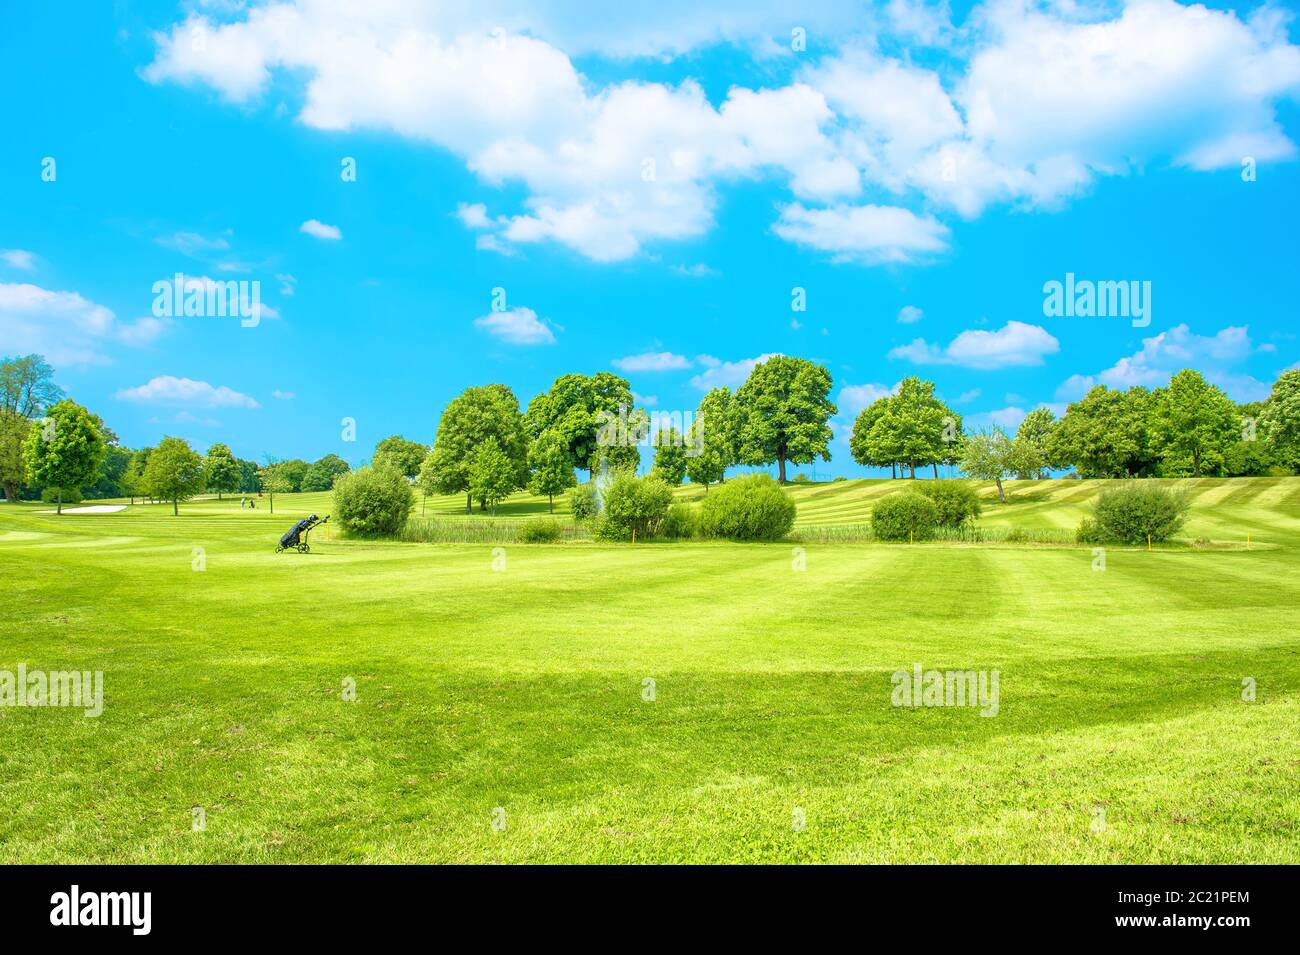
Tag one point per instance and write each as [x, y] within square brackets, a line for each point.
[304, 548]
[279, 549]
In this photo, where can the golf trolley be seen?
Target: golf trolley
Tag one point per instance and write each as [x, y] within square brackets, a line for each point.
[296, 537]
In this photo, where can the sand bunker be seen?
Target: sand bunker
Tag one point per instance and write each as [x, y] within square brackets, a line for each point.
[90, 509]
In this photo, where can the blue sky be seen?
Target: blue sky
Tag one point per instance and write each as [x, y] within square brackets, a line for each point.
[919, 169]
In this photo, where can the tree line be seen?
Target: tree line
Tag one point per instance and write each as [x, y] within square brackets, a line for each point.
[487, 447]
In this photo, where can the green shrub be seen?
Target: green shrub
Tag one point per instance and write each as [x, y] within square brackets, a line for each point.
[70, 495]
[1087, 532]
[747, 508]
[802, 479]
[902, 517]
[1130, 513]
[681, 522]
[540, 532]
[582, 501]
[957, 501]
[633, 507]
[372, 502]
[839, 478]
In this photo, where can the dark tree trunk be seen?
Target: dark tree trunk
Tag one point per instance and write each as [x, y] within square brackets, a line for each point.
[58, 508]
[11, 491]
[469, 503]
[1001, 496]
[176, 508]
[893, 471]
[936, 470]
[780, 463]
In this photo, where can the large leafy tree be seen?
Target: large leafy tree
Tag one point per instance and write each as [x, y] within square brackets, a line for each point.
[670, 456]
[220, 470]
[574, 410]
[783, 412]
[27, 389]
[322, 475]
[475, 416]
[133, 479]
[1193, 424]
[1104, 434]
[174, 472]
[551, 468]
[925, 427]
[1035, 431]
[492, 475]
[1279, 421]
[64, 451]
[400, 455]
[709, 439]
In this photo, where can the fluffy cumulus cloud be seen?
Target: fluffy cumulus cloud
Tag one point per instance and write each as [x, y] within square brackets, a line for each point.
[1035, 102]
[1014, 344]
[1218, 355]
[854, 398]
[169, 390]
[321, 230]
[65, 327]
[517, 326]
[18, 259]
[728, 374]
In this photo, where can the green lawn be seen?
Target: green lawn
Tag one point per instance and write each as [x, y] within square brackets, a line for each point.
[1121, 735]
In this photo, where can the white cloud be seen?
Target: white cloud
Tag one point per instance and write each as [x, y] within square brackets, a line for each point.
[19, 259]
[697, 271]
[854, 398]
[283, 395]
[473, 216]
[192, 243]
[314, 227]
[909, 315]
[518, 326]
[169, 390]
[1008, 419]
[1014, 344]
[729, 374]
[1035, 101]
[65, 327]
[652, 361]
[966, 397]
[649, 401]
[869, 234]
[288, 284]
[1170, 351]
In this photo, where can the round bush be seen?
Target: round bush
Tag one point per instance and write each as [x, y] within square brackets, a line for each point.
[749, 508]
[633, 505]
[680, 523]
[372, 502]
[1130, 513]
[957, 501]
[902, 517]
[540, 532]
[582, 501]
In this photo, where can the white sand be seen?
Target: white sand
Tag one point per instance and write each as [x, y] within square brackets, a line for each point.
[90, 509]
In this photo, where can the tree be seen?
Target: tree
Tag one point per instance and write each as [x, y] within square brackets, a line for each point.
[576, 408]
[1279, 422]
[1035, 431]
[552, 468]
[709, 448]
[991, 456]
[110, 481]
[27, 389]
[492, 475]
[924, 428]
[294, 473]
[783, 412]
[861, 446]
[1104, 434]
[273, 481]
[670, 456]
[174, 472]
[470, 420]
[322, 475]
[402, 456]
[133, 479]
[248, 483]
[1193, 423]
[64, 451]
[220, 470]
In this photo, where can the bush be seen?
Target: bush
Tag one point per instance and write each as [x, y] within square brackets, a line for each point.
[902, 517]
[633, 507]
[373, 502]
[1130, 513]
[1087, 532]
[956, 500]
[582, 501]
[748, 508]
[70, 495]
[681, 522]
[540, 532]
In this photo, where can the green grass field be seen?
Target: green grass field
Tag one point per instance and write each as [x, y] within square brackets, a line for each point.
[1121, 736]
